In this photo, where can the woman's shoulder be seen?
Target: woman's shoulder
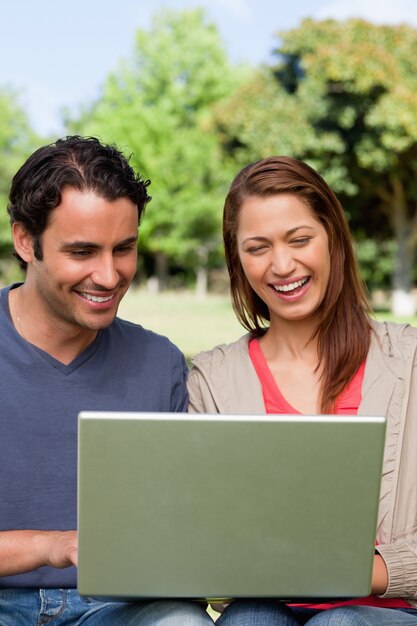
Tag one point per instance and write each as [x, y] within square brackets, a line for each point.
[394, 329]
[222, 354]
[223, 380]
[394, 338]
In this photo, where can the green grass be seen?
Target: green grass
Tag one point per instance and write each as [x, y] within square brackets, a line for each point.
[388, 316]
[213, 614]
[193, 324]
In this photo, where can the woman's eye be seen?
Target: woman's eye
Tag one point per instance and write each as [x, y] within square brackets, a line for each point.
[256, 249]
[301, 241]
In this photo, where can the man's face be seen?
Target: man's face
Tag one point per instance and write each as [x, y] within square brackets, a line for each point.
[89, 260]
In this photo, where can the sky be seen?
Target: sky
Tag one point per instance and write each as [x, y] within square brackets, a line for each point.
[58, 53]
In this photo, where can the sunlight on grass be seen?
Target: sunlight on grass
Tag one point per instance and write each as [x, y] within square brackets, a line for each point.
[194, 324]
[388, 316]
[213, 614]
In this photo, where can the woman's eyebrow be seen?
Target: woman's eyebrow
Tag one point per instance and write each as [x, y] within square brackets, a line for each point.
[289, 232]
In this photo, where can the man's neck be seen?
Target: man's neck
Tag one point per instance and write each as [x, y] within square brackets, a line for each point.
[62, 341]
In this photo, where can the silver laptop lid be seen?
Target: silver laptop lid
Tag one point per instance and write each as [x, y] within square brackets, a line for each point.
[203, 506]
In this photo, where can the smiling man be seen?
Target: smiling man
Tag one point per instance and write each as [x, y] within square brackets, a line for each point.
[75, 207]
[86, 263]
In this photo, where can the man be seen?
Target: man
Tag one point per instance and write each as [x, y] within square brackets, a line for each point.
[75, 208]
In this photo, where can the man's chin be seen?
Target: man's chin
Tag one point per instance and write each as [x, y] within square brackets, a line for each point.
[99, 323]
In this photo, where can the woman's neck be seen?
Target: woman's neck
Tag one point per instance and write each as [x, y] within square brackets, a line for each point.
[290, 339]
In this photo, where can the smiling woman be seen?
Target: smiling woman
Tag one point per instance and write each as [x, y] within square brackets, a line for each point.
[284, 253]
[312, 348]
[282, 226]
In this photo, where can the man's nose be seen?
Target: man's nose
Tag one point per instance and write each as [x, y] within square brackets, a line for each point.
[105, 273]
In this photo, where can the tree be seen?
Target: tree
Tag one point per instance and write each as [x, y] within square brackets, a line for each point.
[157, 106]
[16, 142]
[344, 98]
[369, 82]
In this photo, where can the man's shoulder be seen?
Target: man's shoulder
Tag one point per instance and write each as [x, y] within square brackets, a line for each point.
[4, 293]
[128, 334]
[4, 302]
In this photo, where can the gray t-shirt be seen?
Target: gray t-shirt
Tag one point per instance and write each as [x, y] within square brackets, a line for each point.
[126, 368]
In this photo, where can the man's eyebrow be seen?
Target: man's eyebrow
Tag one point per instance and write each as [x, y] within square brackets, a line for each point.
[127, 242]
[79, 244]
[95, 246]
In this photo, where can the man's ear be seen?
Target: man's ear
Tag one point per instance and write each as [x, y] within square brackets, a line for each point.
[23, 242]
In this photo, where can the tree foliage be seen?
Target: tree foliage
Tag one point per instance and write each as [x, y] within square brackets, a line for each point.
[343, 97]
[369, 82]
[157, 106]
[16, 142]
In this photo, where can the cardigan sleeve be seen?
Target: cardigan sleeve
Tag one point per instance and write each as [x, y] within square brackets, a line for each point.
[201, 399]
[401, 561]
[399, 549]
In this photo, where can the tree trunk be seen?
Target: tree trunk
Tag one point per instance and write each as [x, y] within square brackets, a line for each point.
[202, 273]
[202, 282]
[404, 228]
[158, 281]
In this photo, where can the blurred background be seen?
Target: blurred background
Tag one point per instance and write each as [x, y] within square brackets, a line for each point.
[192, 91]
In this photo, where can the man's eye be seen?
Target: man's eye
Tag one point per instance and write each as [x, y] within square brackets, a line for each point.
[80, 254]
[125, 249]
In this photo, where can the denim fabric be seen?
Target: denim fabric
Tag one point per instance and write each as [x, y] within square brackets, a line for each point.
[272, 613]
[65, 607]
[256, 613]
[364, 616]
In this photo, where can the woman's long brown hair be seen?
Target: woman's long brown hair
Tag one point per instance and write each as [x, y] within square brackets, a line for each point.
[343, 333]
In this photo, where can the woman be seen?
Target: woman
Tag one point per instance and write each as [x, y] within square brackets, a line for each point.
[313, 348]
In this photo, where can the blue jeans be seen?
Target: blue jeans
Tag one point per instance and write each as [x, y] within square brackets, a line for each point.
[65, 607]
[273, 613]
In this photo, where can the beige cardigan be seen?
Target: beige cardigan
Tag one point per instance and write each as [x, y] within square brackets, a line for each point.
[223, 380]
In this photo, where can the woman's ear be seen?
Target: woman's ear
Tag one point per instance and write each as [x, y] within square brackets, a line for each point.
[23, 242]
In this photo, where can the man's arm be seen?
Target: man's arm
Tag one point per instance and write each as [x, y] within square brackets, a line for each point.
[25, 550]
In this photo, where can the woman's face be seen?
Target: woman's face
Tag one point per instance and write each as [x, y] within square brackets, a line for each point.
[284, 251]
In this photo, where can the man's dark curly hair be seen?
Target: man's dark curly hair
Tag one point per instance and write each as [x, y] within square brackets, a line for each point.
[82, 163]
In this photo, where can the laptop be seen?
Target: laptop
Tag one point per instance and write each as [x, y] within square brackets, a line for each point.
[214, 507]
